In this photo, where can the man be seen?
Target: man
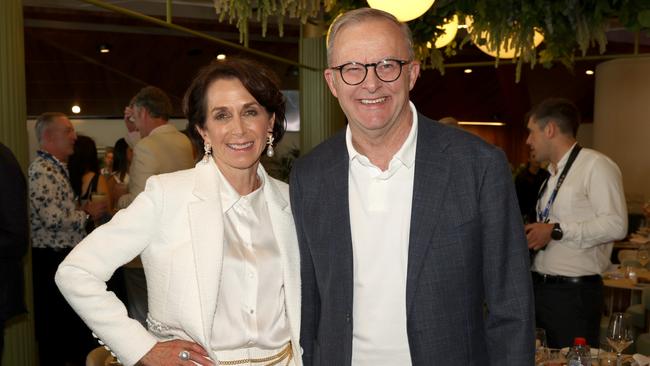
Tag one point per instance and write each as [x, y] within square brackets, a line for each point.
[527, 184]
[412, 246]
[57, 225]
[580, 212]
[161, 149]
[14, 238]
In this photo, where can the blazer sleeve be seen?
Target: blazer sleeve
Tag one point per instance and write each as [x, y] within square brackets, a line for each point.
[310, 299]
[509, 321]
[14, 224]
[82, 276]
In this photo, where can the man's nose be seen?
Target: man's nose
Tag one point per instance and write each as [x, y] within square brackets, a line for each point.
[372, 82]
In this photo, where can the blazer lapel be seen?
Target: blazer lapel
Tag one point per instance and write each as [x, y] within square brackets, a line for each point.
[285, 235]
[337, 213]
[431, 177]
[206, 226]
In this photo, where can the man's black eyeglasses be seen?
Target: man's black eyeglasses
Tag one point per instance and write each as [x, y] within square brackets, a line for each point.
[354, 73]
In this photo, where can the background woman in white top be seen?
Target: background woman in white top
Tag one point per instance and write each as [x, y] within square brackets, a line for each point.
[217, 242]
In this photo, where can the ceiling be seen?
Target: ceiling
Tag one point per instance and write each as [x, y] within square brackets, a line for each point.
[64, 66]
[197, 9]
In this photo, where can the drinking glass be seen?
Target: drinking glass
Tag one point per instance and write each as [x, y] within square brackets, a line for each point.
[540, 345]
[554, 358]
[619, 334]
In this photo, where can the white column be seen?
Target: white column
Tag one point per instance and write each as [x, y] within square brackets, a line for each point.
[622, 122]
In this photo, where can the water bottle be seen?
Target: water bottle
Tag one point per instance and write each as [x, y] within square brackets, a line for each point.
[579, 354]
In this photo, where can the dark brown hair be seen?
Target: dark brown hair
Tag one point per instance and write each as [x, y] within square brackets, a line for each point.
[83, 160]
[562, 111]
[256, 78]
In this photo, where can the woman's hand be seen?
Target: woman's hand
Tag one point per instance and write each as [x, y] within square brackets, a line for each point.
[168, 354]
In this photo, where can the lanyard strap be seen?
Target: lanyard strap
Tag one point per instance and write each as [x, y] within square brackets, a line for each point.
[542, 216]
[47, 156]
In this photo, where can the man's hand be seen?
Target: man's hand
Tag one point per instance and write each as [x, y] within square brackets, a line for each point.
[538, 235]
[167, 354]
[128, 122]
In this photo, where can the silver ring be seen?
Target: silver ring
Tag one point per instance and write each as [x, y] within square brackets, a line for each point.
[184, 355]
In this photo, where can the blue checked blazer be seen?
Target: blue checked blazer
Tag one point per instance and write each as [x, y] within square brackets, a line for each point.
[469, 295]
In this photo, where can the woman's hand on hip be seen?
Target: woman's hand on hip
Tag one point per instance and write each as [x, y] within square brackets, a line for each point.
[176, 352]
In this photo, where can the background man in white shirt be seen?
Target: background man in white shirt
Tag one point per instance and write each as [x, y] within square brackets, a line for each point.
[406, 227]
[576, 226]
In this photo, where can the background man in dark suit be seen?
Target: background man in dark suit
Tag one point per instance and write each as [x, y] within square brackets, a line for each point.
[413, 250]
[14, 237]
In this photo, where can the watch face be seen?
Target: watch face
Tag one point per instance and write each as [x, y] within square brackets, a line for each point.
[556, 234]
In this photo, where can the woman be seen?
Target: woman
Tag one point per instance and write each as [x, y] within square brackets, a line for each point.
[217, 242]
[85, 178]
[119, 179]
[107, 166]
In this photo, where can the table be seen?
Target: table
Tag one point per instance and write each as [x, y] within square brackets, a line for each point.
[621, 292]
[618, 245]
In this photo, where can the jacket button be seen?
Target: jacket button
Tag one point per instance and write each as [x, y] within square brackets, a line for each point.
[347, 317]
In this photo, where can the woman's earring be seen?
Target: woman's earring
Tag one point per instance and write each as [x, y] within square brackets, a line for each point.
[207, 152]
[269, 146]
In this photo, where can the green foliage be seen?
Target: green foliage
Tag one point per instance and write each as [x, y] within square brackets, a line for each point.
[570, 27]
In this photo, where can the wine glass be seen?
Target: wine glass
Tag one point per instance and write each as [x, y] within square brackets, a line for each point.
[643, 255]
[540, 345]
[619, 334]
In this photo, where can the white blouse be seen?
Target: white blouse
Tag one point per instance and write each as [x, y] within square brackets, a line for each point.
[251, 302]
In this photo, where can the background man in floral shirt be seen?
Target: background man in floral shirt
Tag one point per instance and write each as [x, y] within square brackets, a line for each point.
[57, 225]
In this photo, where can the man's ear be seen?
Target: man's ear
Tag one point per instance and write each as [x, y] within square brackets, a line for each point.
[414, 73]
[329, 77]
[550, 129]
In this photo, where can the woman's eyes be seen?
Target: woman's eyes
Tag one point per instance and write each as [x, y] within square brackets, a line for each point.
[225, 116]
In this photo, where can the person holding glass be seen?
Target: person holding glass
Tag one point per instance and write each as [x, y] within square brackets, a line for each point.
[217, 242]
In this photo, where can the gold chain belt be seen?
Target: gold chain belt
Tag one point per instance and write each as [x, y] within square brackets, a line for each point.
[286, 353]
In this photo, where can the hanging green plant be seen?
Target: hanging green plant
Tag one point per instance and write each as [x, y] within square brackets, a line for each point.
[241, 11]
[569, 27]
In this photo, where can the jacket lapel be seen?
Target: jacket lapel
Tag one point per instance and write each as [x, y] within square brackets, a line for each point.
[337, 212]
[431, 178]
[206, 226]
[285, 236]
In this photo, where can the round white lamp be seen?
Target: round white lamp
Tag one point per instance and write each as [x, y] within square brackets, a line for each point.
[450, 28]
[404, 10]
[503, 52]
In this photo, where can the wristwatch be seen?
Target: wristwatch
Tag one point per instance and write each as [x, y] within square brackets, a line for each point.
[557, 233]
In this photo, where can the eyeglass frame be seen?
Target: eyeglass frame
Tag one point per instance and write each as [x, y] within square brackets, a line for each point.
[374, 65]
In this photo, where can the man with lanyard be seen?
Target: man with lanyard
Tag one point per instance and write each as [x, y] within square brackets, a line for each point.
[581, 210]
[57, 225]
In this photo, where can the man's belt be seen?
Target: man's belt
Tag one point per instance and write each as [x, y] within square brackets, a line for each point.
[545, 278]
